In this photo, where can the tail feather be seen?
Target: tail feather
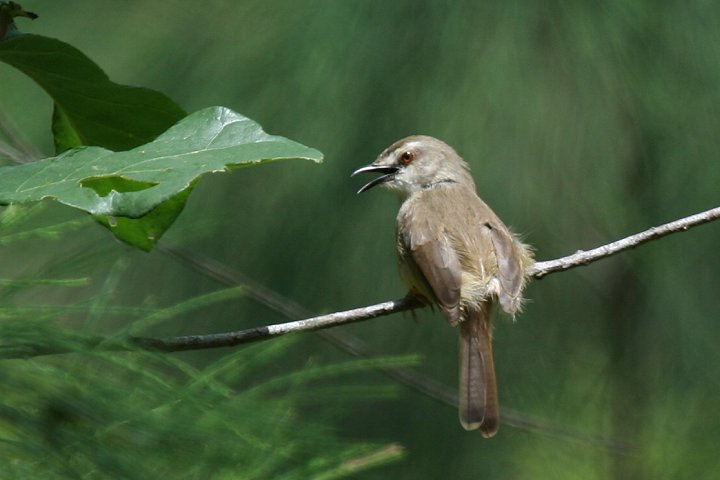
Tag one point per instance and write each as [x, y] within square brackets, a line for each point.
[478, 398]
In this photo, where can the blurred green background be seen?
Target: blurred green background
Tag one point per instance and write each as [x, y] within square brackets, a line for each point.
[583, 122]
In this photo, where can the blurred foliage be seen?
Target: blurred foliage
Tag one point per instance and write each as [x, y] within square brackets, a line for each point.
[582, 122]
[91, 413]
[140, 415]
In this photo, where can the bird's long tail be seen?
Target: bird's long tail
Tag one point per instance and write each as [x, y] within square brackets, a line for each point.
[478, 398]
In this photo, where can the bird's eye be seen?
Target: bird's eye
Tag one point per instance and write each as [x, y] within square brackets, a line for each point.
[407, 157]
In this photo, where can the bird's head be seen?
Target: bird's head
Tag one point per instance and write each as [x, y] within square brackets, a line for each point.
[417, 163]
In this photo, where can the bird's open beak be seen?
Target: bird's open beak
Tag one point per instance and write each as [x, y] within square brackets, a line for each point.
[388, 170]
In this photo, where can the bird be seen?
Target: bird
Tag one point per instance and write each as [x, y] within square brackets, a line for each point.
[454, 252]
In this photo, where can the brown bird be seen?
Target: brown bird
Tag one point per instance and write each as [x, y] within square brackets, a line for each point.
[454, 251]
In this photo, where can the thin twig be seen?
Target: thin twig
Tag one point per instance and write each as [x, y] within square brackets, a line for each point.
[231, 339]
[539, 270]
[580, 258]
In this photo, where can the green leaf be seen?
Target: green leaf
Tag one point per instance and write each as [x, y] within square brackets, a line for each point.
[89, 108]
[65, 135]
[145, 231]
[137, 204]
[151, 181]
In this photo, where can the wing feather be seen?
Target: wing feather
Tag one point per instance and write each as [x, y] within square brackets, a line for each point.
[441, 268]
[510, 272]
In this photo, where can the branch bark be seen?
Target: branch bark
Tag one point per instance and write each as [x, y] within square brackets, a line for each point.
[580, 258]
[231, 339]
[539, 270]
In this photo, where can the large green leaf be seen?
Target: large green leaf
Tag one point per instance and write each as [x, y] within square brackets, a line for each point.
[89, 108]
[150, 181]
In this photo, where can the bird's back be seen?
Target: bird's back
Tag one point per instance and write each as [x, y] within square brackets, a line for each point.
[469, 230]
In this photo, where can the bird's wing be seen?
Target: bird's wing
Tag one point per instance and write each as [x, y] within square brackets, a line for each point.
[440, 266]
[510, 272]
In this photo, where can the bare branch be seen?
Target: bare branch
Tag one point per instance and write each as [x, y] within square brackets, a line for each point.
[580, 258]
[539, 270]
[231, 339]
